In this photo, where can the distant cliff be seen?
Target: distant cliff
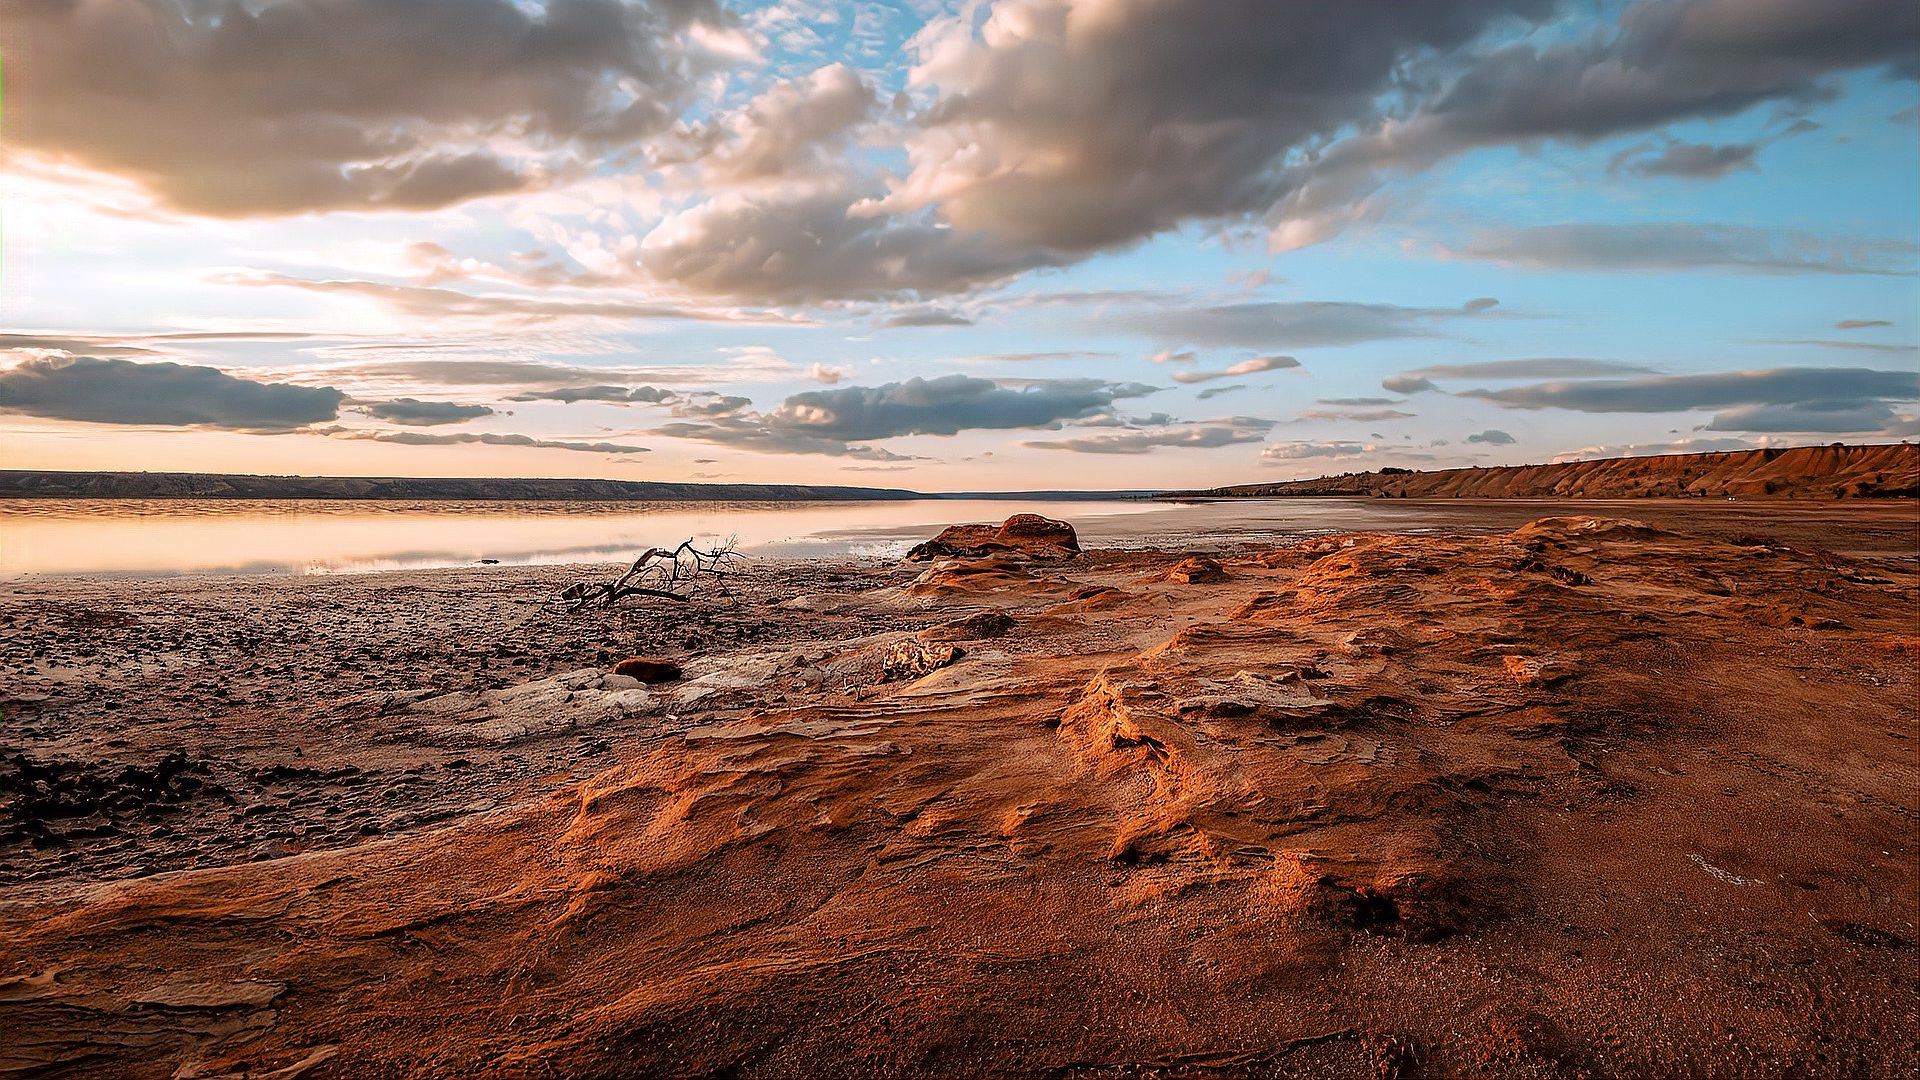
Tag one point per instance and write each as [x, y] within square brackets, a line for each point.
[1811, 472]
[26, 483]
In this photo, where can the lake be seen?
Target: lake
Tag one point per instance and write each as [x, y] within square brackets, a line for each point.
[173, 536]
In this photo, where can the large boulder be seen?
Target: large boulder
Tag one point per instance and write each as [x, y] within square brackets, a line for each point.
[1028, 535]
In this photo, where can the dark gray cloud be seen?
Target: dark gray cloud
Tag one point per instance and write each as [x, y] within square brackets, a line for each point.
[945, 406]
[1288, 324]
[1253, 366]
[1827, 417]
[1684, 246]
[1860, 324]
[1212, 392]
[1552, 367]
[421, 438]
[1492, 437]
[930, 317]
[1407, 384]
[841, 421]
[1196, 435]
[302, 105]
[1721, 389]
[1775, 399]
[1670, 60]
[651, 395]
[1069, 131]
[811, 247]
[417, 413]
[1686, 161]
[109, 390]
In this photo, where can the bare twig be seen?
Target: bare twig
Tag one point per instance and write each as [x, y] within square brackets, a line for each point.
[677, 574]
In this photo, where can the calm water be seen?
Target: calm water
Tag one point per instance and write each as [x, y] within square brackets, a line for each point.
[171, 536]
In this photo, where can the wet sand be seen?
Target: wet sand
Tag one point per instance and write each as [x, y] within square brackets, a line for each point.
[1575, 799]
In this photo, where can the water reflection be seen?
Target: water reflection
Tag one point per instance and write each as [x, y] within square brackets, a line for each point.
[170, 536]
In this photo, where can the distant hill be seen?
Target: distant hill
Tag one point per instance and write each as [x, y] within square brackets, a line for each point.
[1809, 472]
[27, 483]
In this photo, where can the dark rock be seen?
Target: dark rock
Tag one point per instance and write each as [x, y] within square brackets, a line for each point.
[647, 671]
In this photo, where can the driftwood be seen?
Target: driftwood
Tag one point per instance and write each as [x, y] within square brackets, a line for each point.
[677, 574]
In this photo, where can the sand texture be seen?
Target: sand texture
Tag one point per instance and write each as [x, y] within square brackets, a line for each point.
[1583, 798]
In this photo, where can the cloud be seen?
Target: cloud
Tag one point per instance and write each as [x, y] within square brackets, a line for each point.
[1301, 450]
[1683, 246]
[926, 317]
[1855, 346]
[1677, 446]
[1358, 401]
[788, 130]
[619, 395]
[1532, 368]
[1860, 324]
[1212, 392]
[1670, 60]
[1492, 437]
[804, 247]
[303, 105]
[1075, 126]
[835, 421]
[89, 344]
[1836, 417]
[426, 302]
[1356, 415]
[1197, 435]
[1288, 324]
[116, 391]
[421, 438]
[419, 413]
[1775, 399]
[1686, 161]
[1244, 367]
[1406, 384]
[821, 373]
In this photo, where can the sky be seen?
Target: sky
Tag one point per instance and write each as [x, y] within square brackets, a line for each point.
[1004, 244]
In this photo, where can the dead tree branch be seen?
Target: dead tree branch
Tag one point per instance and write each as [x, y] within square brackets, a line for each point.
[677, 574]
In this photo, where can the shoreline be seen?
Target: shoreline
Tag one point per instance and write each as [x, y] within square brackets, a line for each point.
[1361, 777]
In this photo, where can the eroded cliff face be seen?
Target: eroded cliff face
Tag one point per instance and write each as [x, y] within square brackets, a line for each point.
[1586, 798]
[1812, 472]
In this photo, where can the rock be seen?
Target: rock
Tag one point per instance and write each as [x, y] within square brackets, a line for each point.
[911, 659]
[647, 671]
[1027, 535]
[210, 995]
[983, 624]
[1031, 532]
[1198, 570]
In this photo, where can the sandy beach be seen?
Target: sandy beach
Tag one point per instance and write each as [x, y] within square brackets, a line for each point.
[1299, 804]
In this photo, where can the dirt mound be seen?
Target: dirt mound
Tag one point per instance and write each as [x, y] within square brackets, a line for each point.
[1378, 803]
[1808, 472]
[1022, 535]
[1196, 570]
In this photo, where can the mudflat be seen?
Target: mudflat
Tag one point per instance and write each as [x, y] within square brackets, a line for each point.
[1544, 789]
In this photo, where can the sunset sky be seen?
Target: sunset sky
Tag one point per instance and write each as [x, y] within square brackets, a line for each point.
[944, 245]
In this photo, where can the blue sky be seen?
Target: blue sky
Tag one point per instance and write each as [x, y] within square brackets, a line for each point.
[1031, 243]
